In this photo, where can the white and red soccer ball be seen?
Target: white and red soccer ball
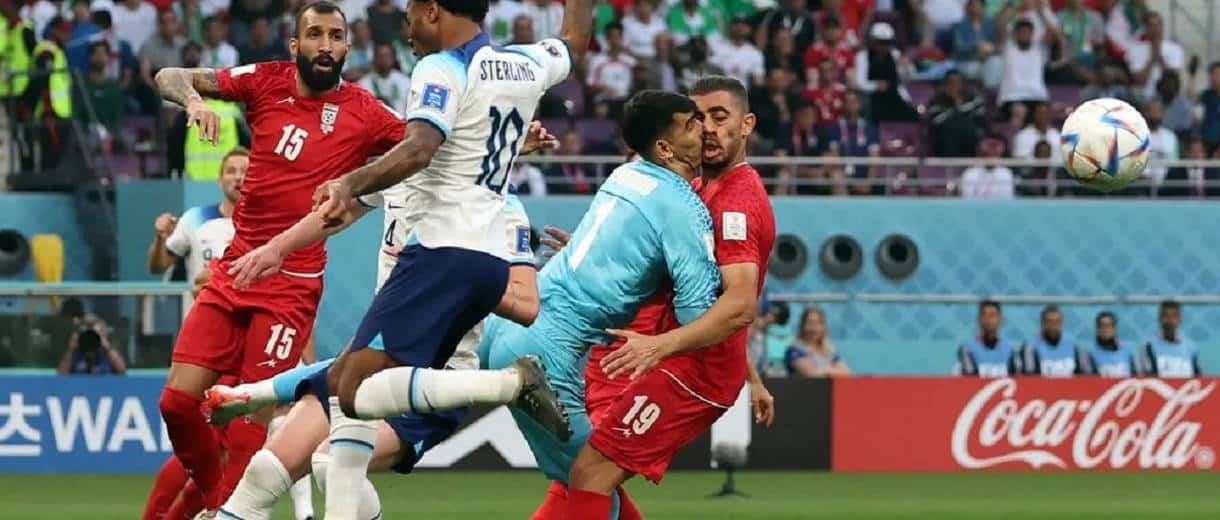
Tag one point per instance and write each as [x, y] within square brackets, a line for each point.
[1105, 144]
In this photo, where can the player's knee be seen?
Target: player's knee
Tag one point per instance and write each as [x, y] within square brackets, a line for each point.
[176, 406]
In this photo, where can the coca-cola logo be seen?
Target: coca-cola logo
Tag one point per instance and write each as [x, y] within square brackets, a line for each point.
[1138, 423]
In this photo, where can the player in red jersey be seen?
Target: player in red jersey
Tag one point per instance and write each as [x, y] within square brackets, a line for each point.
[693, 386]
[308, 128]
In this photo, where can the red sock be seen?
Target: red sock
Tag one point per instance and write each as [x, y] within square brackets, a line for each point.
[193, 442]
[587, 505]
[170, 480]
[555, 505]
[188, 505]
[243, 439]
[626, 508]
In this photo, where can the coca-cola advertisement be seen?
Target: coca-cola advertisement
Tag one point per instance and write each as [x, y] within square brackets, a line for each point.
[1015, 424]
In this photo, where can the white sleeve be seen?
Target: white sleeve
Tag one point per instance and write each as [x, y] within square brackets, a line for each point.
[517, 224]
[552, 55]
[437, 84]
[179, 241]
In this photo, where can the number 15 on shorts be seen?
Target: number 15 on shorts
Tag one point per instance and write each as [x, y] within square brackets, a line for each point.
[279, 344]
[642, 415]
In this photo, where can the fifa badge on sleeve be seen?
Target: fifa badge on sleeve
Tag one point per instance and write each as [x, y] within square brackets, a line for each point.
[330, 113]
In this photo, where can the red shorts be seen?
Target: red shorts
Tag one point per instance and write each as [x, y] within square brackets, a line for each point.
[654, 417]
[256, 333]
[600, 390]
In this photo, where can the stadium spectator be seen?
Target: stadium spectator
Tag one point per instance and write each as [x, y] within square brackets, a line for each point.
[1039, 14]
[988, 181]
[657, 72]
[827, 94]
[192, 19]
[1038, 129]
[523, 30]
[162, 50]
[783, 54]
[406, 55]
[1108, 356]
[1084, 34]
[1024, 62]
[688, 19]
[880, 70]
[1151, 58]
[1109, 80]
[1168, 354]
[123, 64]
[84, 33]
[134, 21]
[1041, 181]
[610, 71]
[1123, 19]
[213, 7]
[696, 65]
[1179, 109]
[527, 179]
[813, 354]
[1210, 101]
[738, 56]
[1163, 143]
[49, 90]
[204, 232]
[770, 337]
[833, 46]
[929, 62]
[89, 350]
[568, 178]
[360, 54]
[105, 94]
[1049, 354]
[987, 354]
[772, 104]
[352, 9]
[1192, 181]
[642, 28]
[41, 12]
[499, 20]
[547, 16]
[956, 118]
[245, 14]
[972, 41]
[800, 136]
[384, 19]
[217, 53]
[791, 16]
[855, 136]
[852, 14]
[262, 47]
[386, 82]
[941, 16]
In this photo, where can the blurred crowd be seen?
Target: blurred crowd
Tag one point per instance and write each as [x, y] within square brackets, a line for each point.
[827, 78]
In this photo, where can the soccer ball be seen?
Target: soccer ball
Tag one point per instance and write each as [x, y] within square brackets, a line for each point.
[1105, 144]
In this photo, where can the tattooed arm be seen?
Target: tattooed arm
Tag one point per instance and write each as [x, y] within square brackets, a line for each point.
[187, 87]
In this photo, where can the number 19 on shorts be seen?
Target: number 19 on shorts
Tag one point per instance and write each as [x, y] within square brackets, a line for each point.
[642, 415]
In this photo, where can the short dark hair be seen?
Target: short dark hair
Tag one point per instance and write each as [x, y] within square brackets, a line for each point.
[1050, 309]
[990, 303]
[211, 20]
[191, 45]
[322, 7]
[614, 26]
[1023, 24]
[101, 19]
[1214, 65]
[1171, 305]
[648, 114]
[1106, 314]
[100, 43]
[475, 10]
[734, 86]
[831, 21]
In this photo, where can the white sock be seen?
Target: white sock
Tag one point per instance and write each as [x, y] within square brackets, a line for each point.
[351, 448]
[370, 502]
[404, 390]
[262, 393]
[264, 481]
[302, 498]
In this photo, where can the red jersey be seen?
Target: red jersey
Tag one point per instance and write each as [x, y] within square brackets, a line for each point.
[842, 55]
[297, 144]
[745, 232]
[828, 101]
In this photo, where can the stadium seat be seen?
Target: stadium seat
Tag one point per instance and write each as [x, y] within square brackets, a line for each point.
[573, 92]
[921, 93]
[906, 133]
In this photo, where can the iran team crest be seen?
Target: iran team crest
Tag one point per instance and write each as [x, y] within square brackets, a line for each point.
[330, 113]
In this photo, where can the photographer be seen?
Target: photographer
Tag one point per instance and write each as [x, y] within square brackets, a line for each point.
[89, 350]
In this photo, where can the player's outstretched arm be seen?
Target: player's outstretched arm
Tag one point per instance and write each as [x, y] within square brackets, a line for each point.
[187, 87]
[732, 311]
[520, 302]
[266, 259]
[577, 27]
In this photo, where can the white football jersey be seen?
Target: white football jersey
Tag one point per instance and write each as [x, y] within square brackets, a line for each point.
[399, 221]
[201, 235]
[481, 98]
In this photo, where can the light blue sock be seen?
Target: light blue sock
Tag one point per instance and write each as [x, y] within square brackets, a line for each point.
[286, 384]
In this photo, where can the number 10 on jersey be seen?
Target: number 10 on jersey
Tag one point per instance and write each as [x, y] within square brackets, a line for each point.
[495, 172]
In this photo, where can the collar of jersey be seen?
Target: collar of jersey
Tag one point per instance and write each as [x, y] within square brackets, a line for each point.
[465, 52]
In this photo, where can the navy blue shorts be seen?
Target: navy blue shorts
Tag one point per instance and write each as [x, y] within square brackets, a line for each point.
[431, 299]
[419, 432]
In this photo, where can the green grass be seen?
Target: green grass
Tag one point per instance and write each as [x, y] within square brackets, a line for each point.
[775, 495]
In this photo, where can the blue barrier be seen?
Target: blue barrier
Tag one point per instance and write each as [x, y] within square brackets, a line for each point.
[81, 424]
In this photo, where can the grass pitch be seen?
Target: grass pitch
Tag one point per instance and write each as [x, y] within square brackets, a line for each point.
[774, 495]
